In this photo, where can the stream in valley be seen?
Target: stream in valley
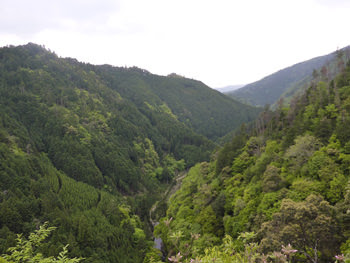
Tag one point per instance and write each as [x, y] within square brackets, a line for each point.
[158, 243]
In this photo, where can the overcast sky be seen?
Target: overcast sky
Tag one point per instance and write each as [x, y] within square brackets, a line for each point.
[221, 42]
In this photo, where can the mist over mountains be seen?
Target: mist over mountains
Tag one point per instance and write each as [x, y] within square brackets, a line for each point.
[229, 88]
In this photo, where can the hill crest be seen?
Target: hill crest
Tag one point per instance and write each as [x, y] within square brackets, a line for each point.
[286, 82]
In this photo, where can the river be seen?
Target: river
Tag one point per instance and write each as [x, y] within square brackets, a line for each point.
[158, 242]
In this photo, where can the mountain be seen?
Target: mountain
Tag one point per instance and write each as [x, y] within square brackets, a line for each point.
[91, 148]
[202, 109]
[278, 192]
[289, 81]
[229, 88]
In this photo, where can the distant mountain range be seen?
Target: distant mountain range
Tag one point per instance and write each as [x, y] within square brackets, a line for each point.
[229, 88]
[289, 81]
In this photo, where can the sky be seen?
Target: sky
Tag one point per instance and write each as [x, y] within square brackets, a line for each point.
[221, 42]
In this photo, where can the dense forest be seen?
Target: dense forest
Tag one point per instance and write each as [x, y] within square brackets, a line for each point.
[278, 192]
[89, 149]
[86, 151]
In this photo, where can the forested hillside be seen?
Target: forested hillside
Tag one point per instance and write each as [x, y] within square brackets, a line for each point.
[206, 111]
[278, 192]
[292, 80]
[90, 148]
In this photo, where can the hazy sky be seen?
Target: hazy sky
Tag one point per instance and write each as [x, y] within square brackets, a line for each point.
[219, 42]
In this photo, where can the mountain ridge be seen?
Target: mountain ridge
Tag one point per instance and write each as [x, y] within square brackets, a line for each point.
[269, 89]
[229, 88]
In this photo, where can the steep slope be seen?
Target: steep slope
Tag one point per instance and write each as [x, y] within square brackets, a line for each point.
[285, 184]
[288, 81]
[325, 73]
[89, 148]
[206, 111]
[96, 224]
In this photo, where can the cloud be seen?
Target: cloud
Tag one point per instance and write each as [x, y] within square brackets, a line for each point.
[219, 42]
[30, 17]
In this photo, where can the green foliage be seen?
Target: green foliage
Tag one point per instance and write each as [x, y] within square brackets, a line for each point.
[75, 138]
[299, 153]
[27, 250]
[231, 150]
[309, 226]
[90, 148]
[288, 181]
[96, 224]
[272, 181]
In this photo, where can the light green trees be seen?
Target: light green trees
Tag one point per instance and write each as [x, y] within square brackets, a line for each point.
[26, 250]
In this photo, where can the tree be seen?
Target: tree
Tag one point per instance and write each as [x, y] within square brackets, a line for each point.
[272, 181]
[309, 226]
[27, 250]
[299, 153]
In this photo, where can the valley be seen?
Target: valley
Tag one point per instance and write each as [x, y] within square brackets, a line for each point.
[113, 157]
